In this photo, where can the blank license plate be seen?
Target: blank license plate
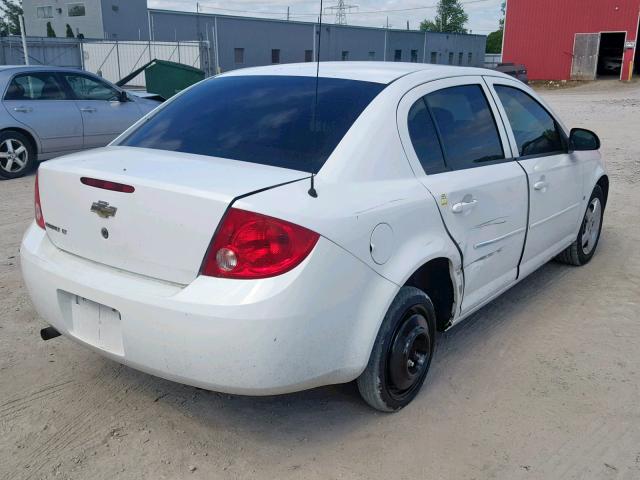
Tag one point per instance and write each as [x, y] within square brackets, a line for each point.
[97, 324]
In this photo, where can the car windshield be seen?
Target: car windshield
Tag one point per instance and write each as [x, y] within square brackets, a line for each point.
[271, 120]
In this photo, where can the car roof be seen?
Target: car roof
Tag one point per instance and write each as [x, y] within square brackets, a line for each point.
[8, 71]
[378, 72]
[31, 68]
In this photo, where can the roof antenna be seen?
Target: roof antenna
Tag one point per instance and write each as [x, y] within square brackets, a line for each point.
[312, 191]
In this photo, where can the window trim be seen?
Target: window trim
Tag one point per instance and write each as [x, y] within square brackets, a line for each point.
[507, 124]
[38, 7]
[74, 4]
[63, 86]
[72, 94]
[505, 158]
[445, 166]
[420, 90]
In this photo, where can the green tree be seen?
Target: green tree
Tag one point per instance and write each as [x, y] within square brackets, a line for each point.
[494, 42]
[494, 39]
[50, 31]
[10, 11]
[450, 18]
[70, 31]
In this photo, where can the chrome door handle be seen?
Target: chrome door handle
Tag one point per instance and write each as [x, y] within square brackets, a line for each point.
[463, 206]
[23, 109]
[541, 185]
[88, 109]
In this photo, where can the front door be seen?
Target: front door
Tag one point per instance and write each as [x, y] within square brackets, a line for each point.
[103, 114]
[555, 176]
[454, 138]
[38, 101]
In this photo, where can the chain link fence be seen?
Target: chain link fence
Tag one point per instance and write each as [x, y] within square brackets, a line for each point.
[110, 59]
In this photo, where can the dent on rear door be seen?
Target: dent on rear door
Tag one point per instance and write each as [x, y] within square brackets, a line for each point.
[484, 208]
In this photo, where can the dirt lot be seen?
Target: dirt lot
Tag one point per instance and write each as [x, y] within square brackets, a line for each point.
[542, 383]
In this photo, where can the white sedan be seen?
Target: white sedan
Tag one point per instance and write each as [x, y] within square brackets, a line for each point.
[267, 231]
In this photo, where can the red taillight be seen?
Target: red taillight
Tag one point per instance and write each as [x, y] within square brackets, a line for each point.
[107, 185]
[250, 245]
[38, 207]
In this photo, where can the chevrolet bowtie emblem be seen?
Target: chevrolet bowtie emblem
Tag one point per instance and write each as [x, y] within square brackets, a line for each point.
[103, 210]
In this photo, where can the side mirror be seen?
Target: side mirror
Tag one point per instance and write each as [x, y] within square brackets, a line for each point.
[581, 140]
[123, 97]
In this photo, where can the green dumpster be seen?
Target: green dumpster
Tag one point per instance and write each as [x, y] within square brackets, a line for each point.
[166, 78]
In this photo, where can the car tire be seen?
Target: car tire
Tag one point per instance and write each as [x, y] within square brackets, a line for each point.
[582, 250]
[12, 163]
[402, 352]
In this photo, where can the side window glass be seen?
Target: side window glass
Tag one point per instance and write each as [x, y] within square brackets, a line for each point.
[37, 86]
[86, 88]
[425, 138]
[535, 130]
[466, 125]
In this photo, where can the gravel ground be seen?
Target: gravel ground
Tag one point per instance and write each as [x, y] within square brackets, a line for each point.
[542, 383]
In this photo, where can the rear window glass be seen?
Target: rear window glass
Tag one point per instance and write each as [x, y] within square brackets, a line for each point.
[271, 120]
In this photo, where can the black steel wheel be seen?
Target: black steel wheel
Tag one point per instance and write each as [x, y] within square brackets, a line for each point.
[402, 352]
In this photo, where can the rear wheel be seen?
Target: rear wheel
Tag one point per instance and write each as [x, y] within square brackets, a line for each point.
[17, 154]
[582, 250]
[402, 352]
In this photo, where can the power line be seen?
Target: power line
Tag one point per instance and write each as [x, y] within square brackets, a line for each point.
[360, 12]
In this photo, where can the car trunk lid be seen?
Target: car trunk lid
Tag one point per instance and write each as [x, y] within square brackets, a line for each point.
[163, 228]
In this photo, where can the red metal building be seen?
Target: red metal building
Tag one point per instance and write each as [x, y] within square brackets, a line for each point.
[573, 39]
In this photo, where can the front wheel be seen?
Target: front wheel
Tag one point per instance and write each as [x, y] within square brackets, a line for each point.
[402, 352]
[582, 250]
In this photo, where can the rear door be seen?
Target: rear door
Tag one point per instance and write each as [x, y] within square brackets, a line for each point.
[555, 176]
[462, 156]
[39, 101]
[585, 56]
[103, 114]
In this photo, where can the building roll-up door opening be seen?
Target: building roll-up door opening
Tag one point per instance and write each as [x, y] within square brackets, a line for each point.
[610, 55]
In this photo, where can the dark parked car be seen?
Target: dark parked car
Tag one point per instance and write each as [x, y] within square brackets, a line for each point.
[517, 71]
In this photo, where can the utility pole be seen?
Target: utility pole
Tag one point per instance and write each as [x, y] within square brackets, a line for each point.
[407, 24]
[287, 14]
[386, 33]
[24, 40]
[198, 22]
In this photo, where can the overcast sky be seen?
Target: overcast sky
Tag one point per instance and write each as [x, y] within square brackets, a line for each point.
[483, 14]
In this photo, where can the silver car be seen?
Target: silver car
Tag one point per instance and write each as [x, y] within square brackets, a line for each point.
[50, 111]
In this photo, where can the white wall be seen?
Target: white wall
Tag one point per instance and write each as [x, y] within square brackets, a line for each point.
[90, 25]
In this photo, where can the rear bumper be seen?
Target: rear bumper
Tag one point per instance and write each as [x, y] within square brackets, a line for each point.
[312, 326]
